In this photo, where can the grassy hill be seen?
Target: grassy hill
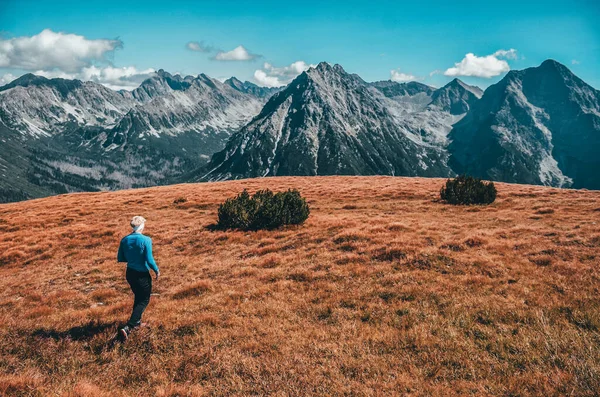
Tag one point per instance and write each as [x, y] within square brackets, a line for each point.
[383, 291]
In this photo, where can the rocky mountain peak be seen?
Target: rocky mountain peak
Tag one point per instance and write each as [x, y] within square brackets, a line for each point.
[325, 122]
[207, 81]
[235, 83]
[25, 81]
[326, 79]
[459, 84]
[322, 67]
[62, 86]
[456, 97]
[325, 73]
[251, 88]
[550, 64]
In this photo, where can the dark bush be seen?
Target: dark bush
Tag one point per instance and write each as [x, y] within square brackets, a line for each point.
[263, 210]
[467, 190]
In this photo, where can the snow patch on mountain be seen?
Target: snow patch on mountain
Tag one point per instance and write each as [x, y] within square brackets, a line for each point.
[280, 119]
[94, 172]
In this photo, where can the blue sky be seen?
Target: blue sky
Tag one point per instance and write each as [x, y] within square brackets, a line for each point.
[417, 40]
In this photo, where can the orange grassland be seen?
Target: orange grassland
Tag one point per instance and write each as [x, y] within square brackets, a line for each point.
[383, 291]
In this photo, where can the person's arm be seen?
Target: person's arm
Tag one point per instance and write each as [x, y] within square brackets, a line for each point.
[121, 253]
[150, 258]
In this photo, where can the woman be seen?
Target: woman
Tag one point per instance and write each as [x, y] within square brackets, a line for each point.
[136, 250]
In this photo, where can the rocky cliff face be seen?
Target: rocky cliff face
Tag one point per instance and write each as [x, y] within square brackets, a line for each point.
[455, 97]
[539, 125]
[251, 88]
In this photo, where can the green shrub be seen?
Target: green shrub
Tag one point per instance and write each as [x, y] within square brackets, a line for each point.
[263, 210]
[467, 190]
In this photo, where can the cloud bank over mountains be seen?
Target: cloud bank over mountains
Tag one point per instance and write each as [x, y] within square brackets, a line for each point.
[271, 76]
[124, 78]
[396, 75]
[73, 56]
[70, 56]
[51, 50]
[485, 66]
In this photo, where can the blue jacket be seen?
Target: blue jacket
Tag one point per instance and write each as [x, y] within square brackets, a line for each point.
[136, 250]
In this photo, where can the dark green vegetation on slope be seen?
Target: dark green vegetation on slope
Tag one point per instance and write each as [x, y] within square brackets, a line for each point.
[263, 210]
[466, 190]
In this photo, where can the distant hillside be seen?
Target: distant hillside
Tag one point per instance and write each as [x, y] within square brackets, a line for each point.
[383, 291]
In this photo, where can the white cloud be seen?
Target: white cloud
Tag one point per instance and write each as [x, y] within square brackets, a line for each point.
[575, 62]
[486, 66]
[508, 54]
[198, 46]
[396, 75]
[272, 76]
[54, 50]
[69, 56]
[124, 78]
[7, 78]
[262, 78]
[128, 77]
[237, 54]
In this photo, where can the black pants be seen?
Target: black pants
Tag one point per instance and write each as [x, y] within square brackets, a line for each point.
[141, 285]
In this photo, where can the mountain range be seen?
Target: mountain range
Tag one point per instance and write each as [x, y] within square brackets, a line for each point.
[540, 125]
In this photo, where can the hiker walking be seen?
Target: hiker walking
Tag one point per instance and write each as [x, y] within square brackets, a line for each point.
[136, 250]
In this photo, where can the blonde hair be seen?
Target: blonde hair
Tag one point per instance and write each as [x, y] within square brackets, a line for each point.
[137, 221]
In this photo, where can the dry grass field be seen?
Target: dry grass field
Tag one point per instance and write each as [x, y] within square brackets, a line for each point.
[383, 291]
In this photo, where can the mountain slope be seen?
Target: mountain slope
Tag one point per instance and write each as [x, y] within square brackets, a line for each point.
[456, 97]
[412, 96]
[14, 164]
[326, 122]
[392, 89]
[193, 105]
[251, 88]
[75, 136]
[39, 107]
[540, 126]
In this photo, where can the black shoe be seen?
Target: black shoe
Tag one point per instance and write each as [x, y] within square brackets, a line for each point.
[124, 333]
